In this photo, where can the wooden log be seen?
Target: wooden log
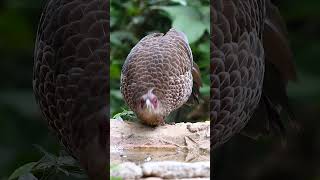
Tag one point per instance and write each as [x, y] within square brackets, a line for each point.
[135, 142]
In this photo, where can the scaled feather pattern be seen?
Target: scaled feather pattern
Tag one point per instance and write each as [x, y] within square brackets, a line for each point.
[70, 78]
[251, 63]
[161, 65]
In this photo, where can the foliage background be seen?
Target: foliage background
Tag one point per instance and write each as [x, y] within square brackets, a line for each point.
[132, 20]
[21, 125]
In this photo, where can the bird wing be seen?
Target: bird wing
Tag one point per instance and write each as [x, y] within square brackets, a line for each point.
[196, 74]
[237, 66]
[279, 70]
[70, 78]
[162, 62]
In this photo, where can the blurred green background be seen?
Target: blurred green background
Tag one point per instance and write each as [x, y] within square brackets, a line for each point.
[21, 125]
[132, 20]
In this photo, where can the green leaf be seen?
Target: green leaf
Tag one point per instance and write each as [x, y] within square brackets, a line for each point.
[204, 47]
[115, 178]
[66, 161]
[64, 171]
[186, 19]
[79, 175]
[205, 89]
[115, 71]
[205, 16]
[47, 161]
[114, 167]
[46, 153]
[44, 164]
[307, 90]
[23, 170]
[116, 93]
[182, 2]
[117, 37]
[124, 113]
[28, 176]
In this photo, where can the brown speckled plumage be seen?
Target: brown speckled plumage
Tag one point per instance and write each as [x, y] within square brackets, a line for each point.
[163, 63]
[70, 79]
[242, 61]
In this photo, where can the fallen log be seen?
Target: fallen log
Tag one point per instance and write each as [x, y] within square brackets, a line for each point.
[162, 170]
[135, 142]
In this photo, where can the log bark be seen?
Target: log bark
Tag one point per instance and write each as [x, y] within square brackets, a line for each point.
[135, 142]
[162, 170]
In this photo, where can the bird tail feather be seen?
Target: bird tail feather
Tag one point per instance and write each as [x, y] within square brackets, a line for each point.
[197, 83]
[274, 109]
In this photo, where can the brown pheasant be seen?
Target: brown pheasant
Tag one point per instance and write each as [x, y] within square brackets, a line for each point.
[251, 63]
[70, 78]
[159, 76]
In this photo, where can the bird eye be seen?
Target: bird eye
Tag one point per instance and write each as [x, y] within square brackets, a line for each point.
[154, 100]
[141, 103]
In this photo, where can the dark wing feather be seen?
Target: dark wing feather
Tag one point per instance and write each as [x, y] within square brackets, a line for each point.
[237, 66]
[276, 44]
[279, 70]
[70, 79]
[197, 83]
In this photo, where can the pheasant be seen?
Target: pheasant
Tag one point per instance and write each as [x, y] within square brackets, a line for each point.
[251, 63]
[159, 75]
[70, 78]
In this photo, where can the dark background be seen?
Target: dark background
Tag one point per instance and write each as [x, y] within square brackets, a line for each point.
[241, 158]
[20, 122]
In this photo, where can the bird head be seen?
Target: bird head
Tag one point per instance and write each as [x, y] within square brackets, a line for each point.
[149, 101]
[149, 110]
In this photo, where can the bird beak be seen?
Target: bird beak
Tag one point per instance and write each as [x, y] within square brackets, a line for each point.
[149, 105]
